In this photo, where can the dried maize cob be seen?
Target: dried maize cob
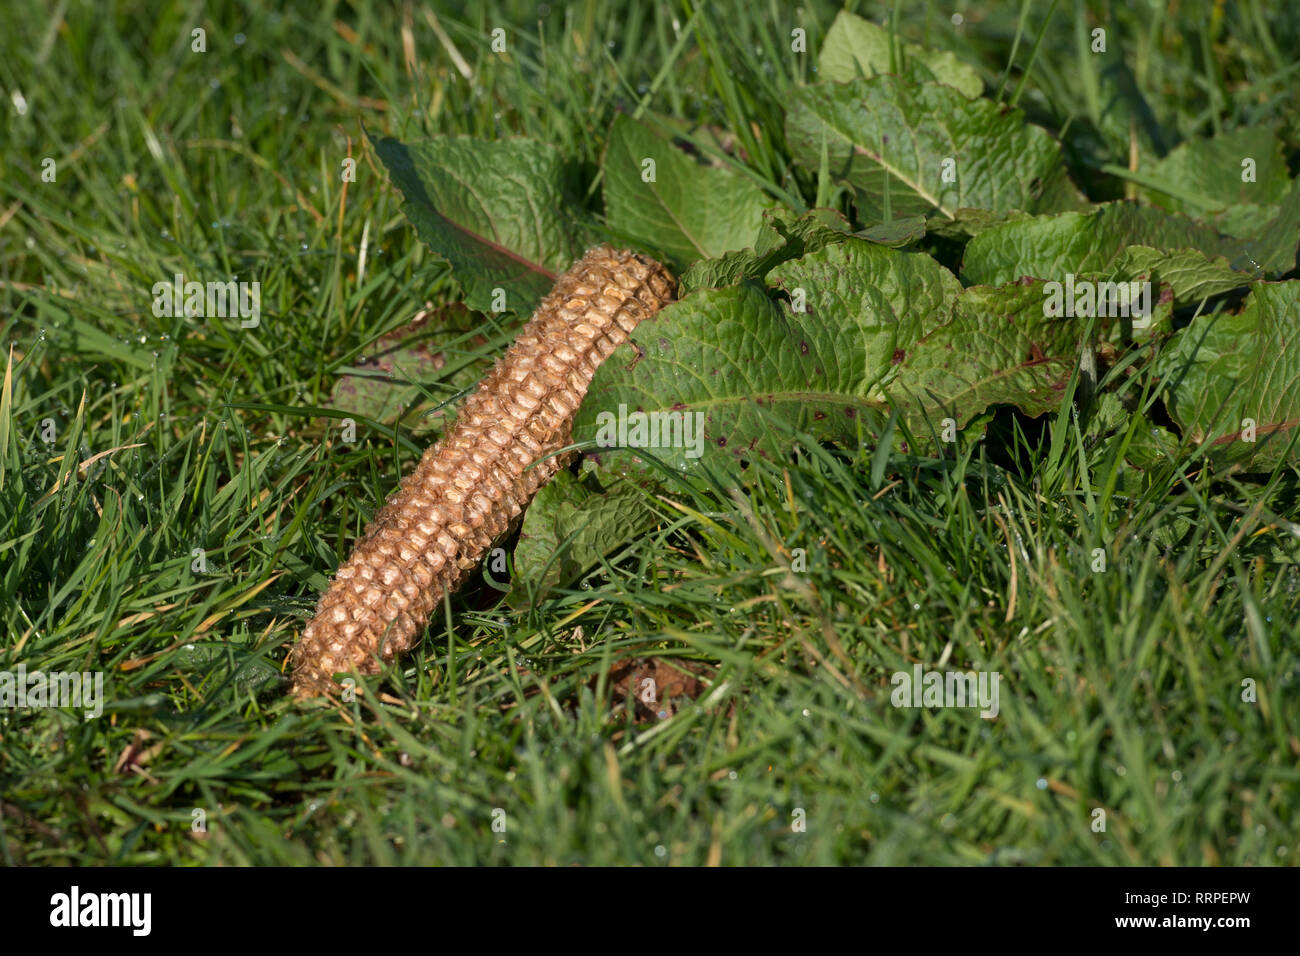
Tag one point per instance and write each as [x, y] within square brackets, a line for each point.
[470, 486]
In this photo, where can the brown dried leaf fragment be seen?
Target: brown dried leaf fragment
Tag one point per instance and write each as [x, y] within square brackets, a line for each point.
[476, 481]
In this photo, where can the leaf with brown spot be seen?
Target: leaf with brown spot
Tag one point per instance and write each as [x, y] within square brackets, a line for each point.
[414, 371]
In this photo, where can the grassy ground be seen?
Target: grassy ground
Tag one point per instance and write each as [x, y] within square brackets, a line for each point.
[1121, 689]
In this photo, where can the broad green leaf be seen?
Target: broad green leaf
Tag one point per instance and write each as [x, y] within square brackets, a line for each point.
[885, 300]
[998, 349]
[780, 241]
[878, 327]
[1112, 239]
[661, 199]
[1152, 446]
[897, 233]
[725, 373]
[230, 661]
[416, 371]
[755, 371]
[493, 209]
[856, 47]
[1244, 220]
[1190, 274]
[1228, 374]
[1048, 247]
[971, 222]
[1203, 178]
[927, 150]
[1271, 248]
[570, 526]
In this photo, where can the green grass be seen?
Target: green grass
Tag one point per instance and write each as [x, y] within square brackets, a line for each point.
[1121, 689]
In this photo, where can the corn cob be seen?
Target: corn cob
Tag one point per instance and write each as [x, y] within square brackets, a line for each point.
[471, 486]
